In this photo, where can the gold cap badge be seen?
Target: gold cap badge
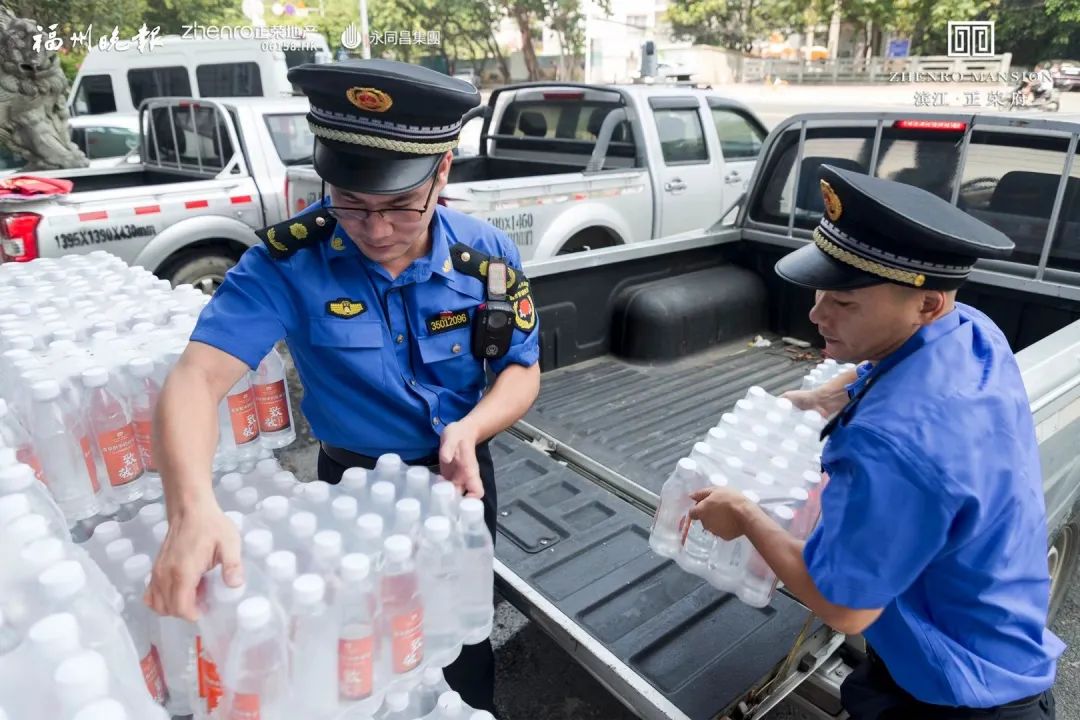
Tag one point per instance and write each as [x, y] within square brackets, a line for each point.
[369, 99]
[833, 208]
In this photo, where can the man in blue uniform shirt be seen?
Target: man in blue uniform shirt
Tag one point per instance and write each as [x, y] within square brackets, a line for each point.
[393, 308]
[932, 539]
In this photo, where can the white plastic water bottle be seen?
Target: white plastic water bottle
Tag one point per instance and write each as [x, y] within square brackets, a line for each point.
[444, 500]
[274, 514]
[369, 537]
[256, 675]
[382, 501]
[276, 427]
[65, 454]
[144, 397]
[418, 485]
[313, 650]
[359, 646]
[17, 437]
[407, 519]
[476, 594]
[239, 422]
[390, 468]
[403, 611]
[81, 679]
[142, 627]
[438, 562]
[698, 546]
[450, 707]
[727, 565]
[397, 707]
[343, 512]
[759, 581]
[426, 695]
[114, 435]
[281, 566]
[302, 528]
[20, 478]
[215, 630]
[665, 537]
[354, 481]
[258, 544]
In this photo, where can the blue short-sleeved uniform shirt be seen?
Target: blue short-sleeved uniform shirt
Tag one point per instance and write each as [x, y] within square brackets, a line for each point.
[388, 377]
[934, 511]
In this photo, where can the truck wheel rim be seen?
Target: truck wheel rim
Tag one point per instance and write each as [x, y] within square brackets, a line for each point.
[208, 283]
[1057, 559]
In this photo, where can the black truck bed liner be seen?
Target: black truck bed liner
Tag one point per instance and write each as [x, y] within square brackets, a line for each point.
[586, 551]
[638, 420]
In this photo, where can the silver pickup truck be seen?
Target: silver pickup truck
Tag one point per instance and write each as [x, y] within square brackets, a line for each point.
[211, 171]
[566, 167]
[643, 347]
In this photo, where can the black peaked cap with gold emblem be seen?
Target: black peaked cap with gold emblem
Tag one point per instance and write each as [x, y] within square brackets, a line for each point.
[381, 126]
[876, 231]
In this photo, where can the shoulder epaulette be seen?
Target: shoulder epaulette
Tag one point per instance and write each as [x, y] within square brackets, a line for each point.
[474, 263]
[286, 238]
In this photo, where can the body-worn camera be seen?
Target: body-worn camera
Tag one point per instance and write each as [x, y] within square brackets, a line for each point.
[493, 326]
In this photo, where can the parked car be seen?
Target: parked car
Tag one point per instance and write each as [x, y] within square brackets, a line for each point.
[1065, 73]
[107, 140]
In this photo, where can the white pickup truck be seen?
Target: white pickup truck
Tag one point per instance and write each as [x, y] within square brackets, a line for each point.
[211, 172]
[567, 167]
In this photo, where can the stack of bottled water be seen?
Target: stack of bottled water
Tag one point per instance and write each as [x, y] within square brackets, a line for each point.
[766, 450]
[823, 372]
[355, 596]
[73, 641]
[85, 344]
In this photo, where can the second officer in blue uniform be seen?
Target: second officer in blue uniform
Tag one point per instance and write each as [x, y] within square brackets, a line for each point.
[394, 309]
[932, 539]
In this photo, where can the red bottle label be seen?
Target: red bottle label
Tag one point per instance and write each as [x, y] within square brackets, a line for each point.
[245, 420]
[121, 455]
[27, 456]
[144, 439]
[91, 466]
[154, 675]
[355, 667]
[244, 707]
[273, 407]
[407, 640]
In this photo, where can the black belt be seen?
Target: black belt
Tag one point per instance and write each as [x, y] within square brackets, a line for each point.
[348, 458]
[875, 660]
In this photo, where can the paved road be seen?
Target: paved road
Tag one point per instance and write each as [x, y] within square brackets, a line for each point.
[537, 680]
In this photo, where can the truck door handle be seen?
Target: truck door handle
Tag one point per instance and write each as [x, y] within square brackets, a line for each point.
[732, 177]
[675, 186]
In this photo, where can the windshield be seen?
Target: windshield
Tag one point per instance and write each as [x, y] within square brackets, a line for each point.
[292, 138]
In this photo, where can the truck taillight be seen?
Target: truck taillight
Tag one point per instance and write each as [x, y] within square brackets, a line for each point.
[18, 236]
[943, 125]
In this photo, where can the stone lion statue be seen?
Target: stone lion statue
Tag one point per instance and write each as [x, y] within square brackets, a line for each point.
[33, 94]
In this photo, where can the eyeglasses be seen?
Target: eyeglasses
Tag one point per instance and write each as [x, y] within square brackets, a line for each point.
[394, 215]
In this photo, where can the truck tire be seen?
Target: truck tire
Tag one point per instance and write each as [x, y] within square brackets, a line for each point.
[1061, 557]
[205, 270]
[588, 239]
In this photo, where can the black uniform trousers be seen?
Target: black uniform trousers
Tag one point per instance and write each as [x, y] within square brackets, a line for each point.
[472, 675]
[870, 693]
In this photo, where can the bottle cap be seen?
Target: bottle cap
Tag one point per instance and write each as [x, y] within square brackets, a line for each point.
[748, 446]
[344, 508]
[281, 564]
[274, 508]
[137, 567]
[398, 548]
[756, 392]
[745, 406]
[150, 515]
[62, 580]
[783, 513]
[16, 478]
[388, 462]
[284, 480]
[55, 636]
[437, 528]
[780, 463]
[685, 467]
[355, 567]
[259, 542]
[8, 457]
[317, 491]
[450, 702]
[811, 478]
[141, 367]
[268, 467]
[784, 405]
[95, 377]
[27, 528]
[303, 524]
[443, 491]
[718, 480]
[704, 449]
[82, 678]
[160, 531]
[408, 510]
[397, 701]
[308, 590]
[106, 532]
[369, 526]
[42, 553]
[46, 390]
[383, 493]
[734, 465]
[432, 676]
[254, 613]
[355, 478]
[327, 544]
[104, 709]
[751, 496]
[472, 510]
[246, 498]
[774, 418]
[13, 507]
[231, 482]
[417, 476]
[798, 494]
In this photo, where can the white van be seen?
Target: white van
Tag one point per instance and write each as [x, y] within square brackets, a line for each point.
[115, 81]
